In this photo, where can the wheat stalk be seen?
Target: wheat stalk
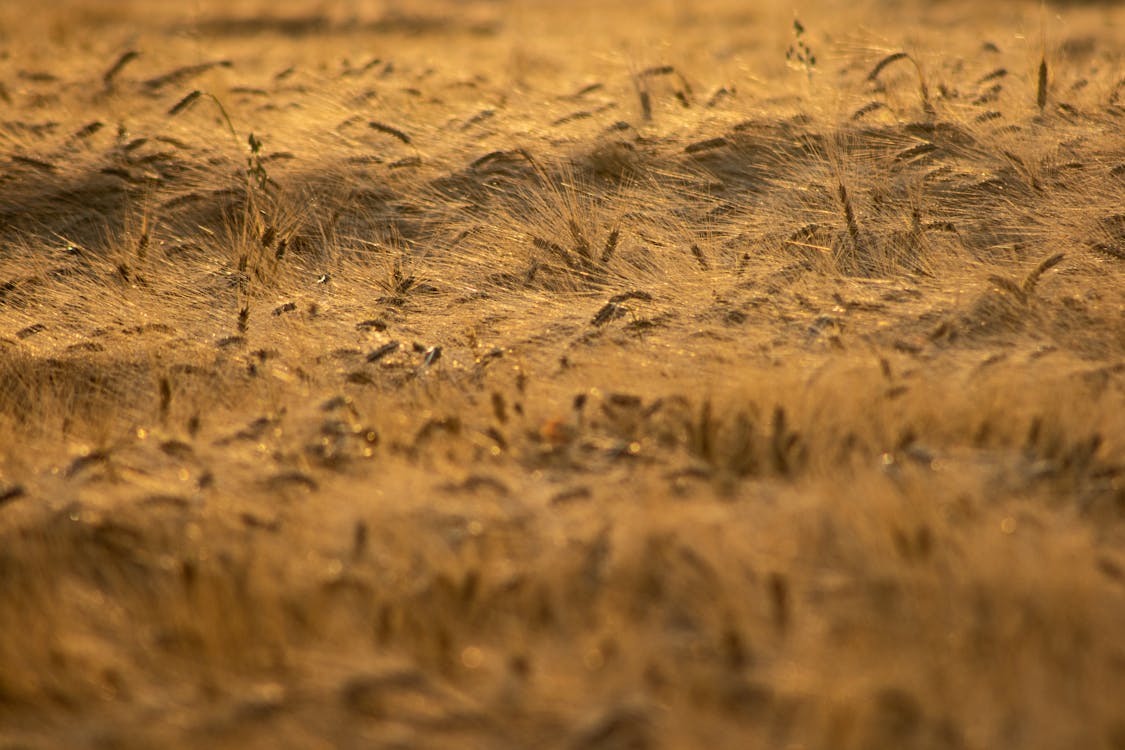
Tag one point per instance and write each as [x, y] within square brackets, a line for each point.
[879, 66]
[923, 89]
[610, 246]
[1029, 282]
[124, 59]
[850, 219]
[700, 258]
[388, 130]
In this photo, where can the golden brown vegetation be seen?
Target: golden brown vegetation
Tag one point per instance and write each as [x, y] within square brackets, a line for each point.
[585, 375]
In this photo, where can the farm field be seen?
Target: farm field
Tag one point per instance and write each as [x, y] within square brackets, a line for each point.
[592, 375]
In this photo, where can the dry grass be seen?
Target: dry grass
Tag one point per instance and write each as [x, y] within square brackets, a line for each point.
[519, 374]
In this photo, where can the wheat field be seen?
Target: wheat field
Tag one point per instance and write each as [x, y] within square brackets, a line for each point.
[592, 375]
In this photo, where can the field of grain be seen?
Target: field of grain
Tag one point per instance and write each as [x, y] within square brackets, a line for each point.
[586, 375]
